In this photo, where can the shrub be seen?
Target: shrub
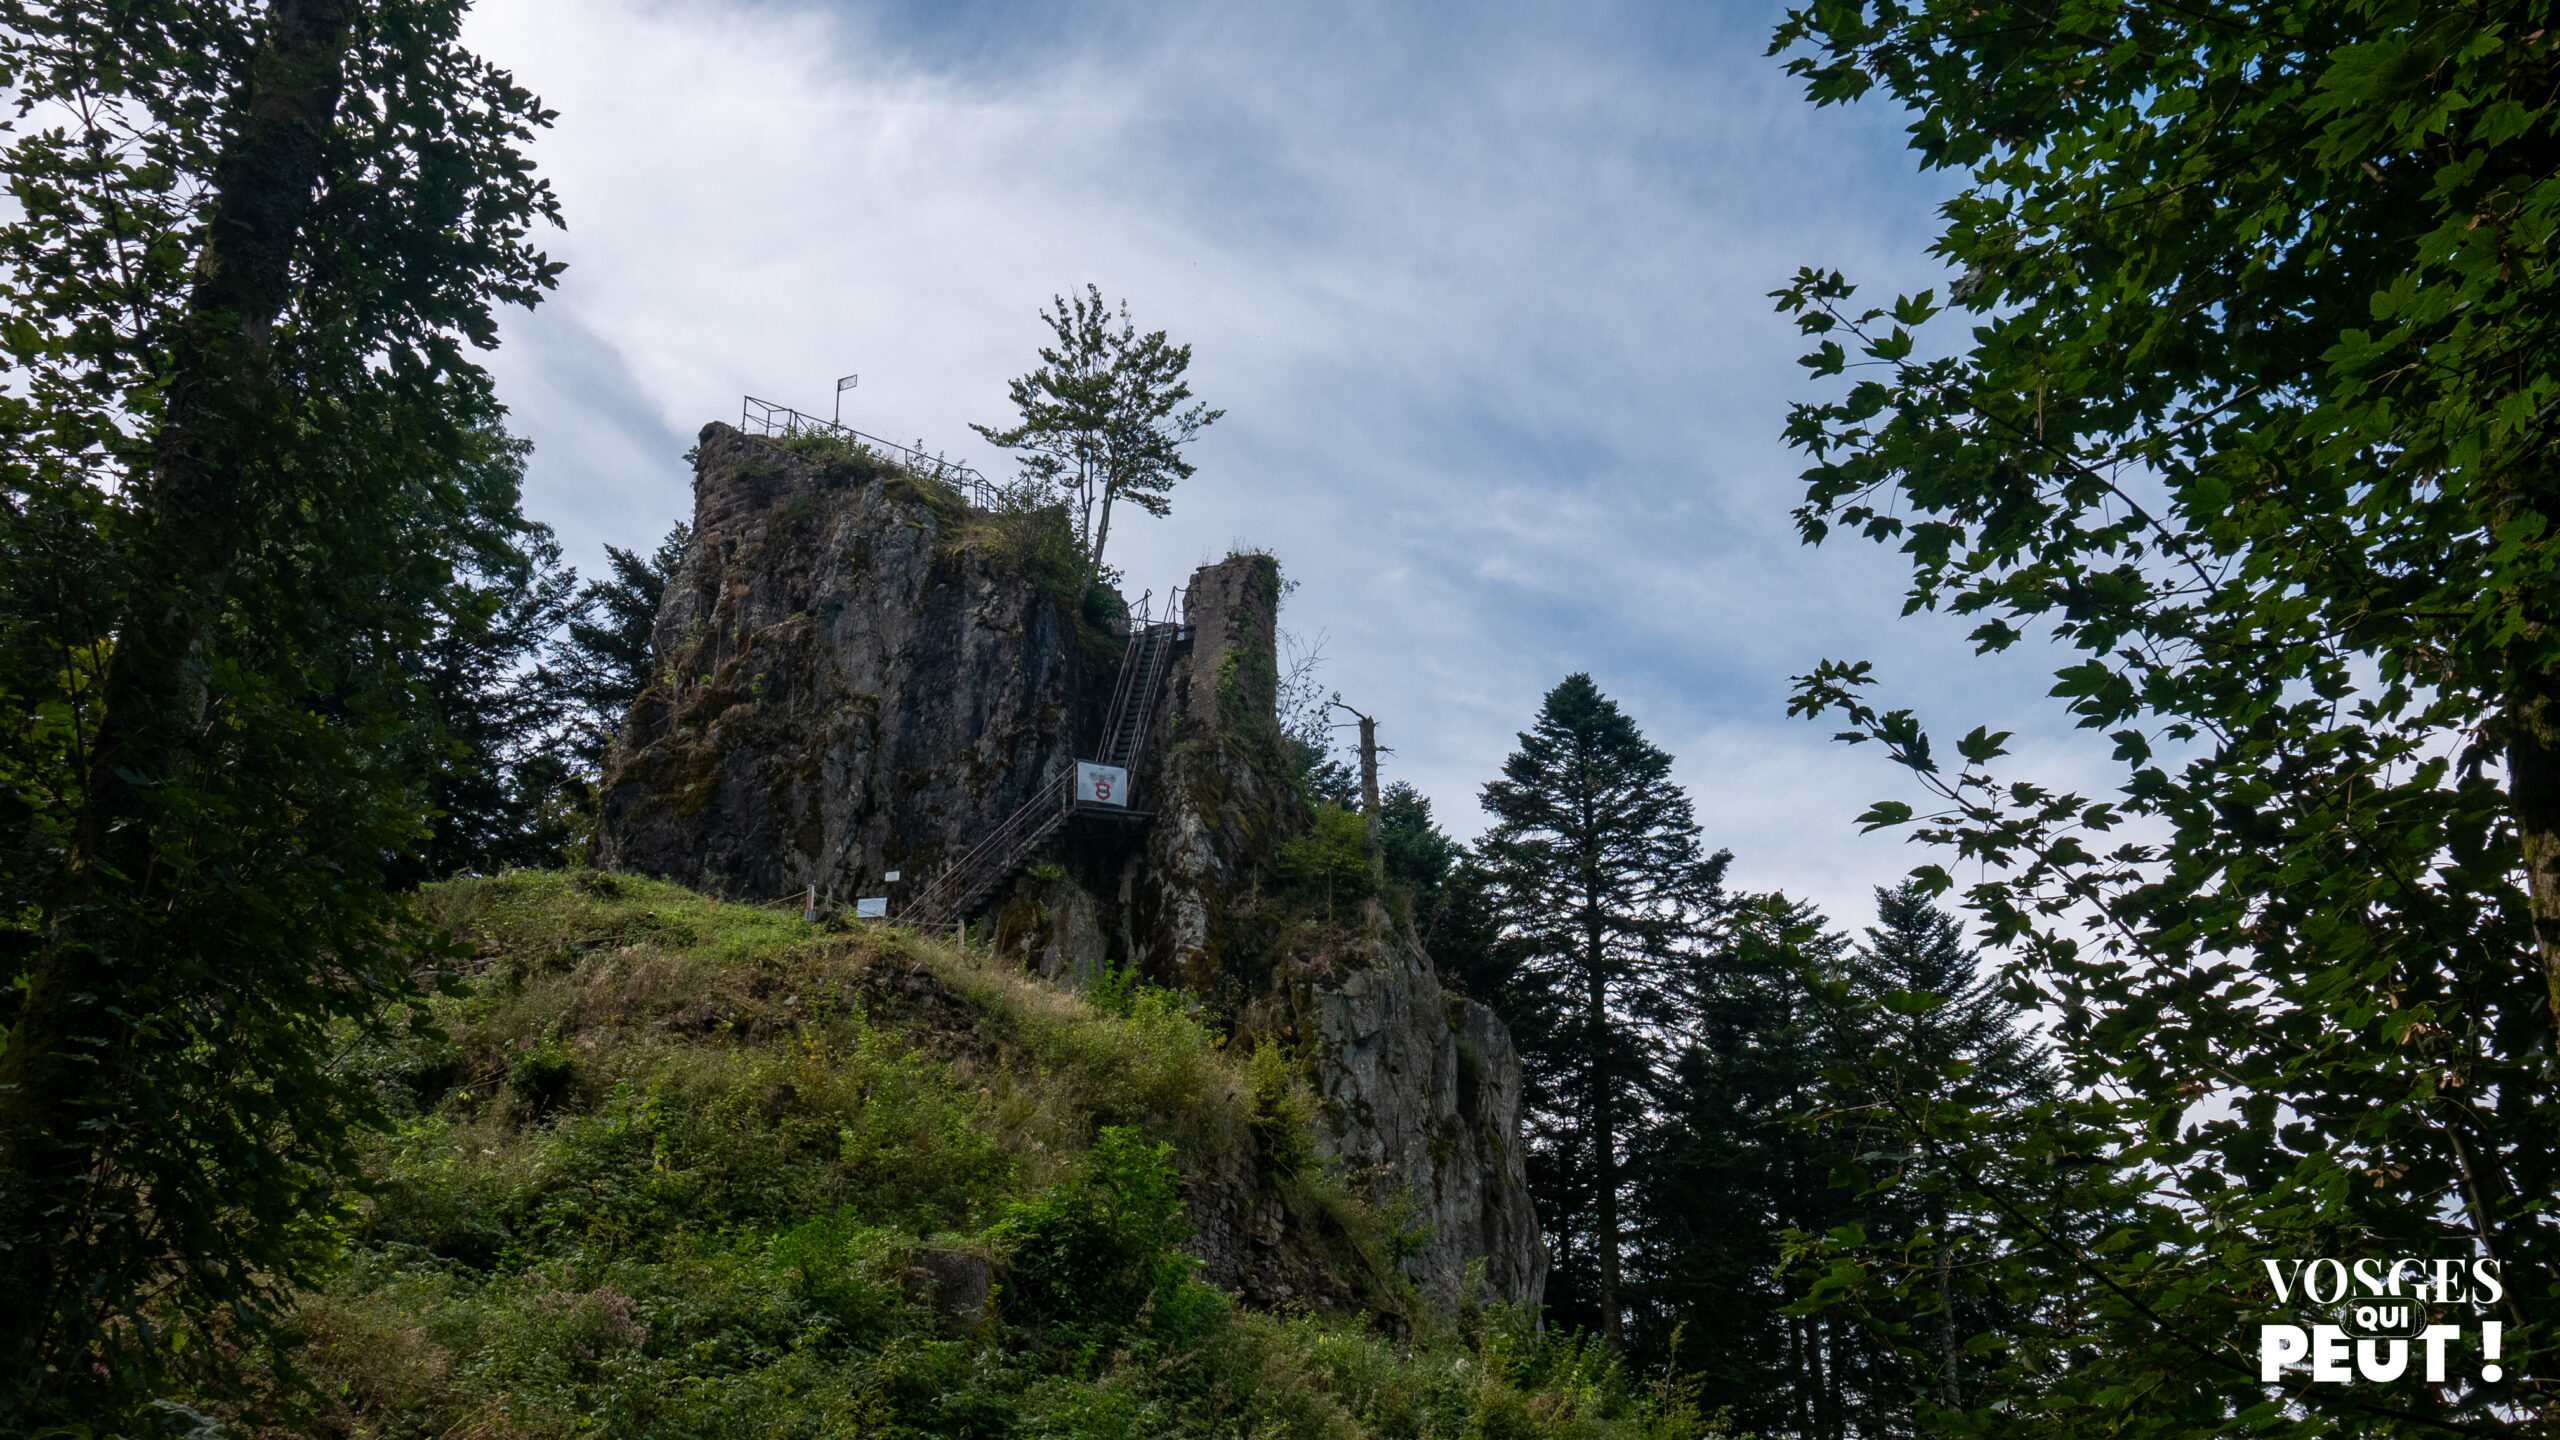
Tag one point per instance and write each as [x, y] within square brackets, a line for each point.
[1331, 860]
[1033, 540]
[543, 1075]
[1096, 1248]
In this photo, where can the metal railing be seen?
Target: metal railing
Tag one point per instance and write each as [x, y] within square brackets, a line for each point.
[781, 422]
[997, 858]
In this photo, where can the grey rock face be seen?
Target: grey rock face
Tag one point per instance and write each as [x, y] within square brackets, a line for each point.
[1422, 1095]
[848, 684]
[845, 686]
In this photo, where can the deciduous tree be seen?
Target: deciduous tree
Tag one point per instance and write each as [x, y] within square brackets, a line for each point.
[1104, 417]
[248, 249]
[2247, 400]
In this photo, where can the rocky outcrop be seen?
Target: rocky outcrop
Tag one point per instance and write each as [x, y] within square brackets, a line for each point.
[857, 675]
[848, 683]
[1421, 1090]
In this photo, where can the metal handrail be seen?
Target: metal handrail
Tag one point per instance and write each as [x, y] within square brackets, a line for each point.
[765, 418]
[949, 894]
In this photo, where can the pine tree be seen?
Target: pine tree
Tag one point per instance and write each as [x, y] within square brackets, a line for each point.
[1931, 1080]
[607, 656]
[1603, 902]
[499, 780]
[1448, 894]
[1833, 1090]
[1733, 1166]
[1935, 1010]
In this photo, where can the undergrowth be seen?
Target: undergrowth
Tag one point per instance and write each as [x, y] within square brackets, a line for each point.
[668, 1167]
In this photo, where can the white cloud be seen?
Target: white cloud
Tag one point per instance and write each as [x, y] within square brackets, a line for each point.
[1484, 293]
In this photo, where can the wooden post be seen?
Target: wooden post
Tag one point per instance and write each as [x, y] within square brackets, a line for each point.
[1369, 775]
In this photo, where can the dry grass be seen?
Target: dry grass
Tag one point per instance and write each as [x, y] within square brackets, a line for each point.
[664, 1169]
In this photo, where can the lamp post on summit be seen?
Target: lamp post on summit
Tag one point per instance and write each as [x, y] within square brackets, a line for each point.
[843, 384]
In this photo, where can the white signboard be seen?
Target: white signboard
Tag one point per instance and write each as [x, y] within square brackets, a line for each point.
[1101, 784]
[874, 907]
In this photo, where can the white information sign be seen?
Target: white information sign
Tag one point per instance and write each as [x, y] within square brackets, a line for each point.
[873, 907]
[1101, 784]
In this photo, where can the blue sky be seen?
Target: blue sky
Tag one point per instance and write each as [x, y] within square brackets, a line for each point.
[1483, 290]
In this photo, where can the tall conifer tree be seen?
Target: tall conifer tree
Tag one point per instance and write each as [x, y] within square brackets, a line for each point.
[1604, 900]
[1815, 1102]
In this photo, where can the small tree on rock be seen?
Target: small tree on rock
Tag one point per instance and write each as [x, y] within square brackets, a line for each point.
[1104, 417]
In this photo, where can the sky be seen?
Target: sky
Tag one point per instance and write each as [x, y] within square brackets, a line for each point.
[1483, 290]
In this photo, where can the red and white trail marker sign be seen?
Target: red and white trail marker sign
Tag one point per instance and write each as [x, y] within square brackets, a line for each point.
[1101, 784]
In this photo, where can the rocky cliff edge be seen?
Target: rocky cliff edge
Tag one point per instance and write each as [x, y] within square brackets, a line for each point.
[858, 675]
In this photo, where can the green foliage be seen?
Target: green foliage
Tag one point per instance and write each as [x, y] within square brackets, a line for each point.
[713, 1229]
[1331, 860]
[1284, 1111]
[1808, 1141]
[607, 654]
[1098, 1247]
[1102, 419]
[543, 1074]
[2249, 408]
[1037, 540]
[1120, 990]
[499, 783]
[826, 446]
[1444, 890]
[246, 449]
[1604, 904]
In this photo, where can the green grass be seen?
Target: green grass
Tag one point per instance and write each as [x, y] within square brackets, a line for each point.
[665, 1167]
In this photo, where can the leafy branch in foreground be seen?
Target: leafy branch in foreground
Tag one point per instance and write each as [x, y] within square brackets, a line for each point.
[244, 450]
[2255, 416]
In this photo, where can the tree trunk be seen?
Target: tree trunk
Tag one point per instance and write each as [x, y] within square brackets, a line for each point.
[1805, 1369]
[2533, 787]
[1369, 777]
[1100, 539]
[1604, 1136]
[1819, 1374]
[66, 1064]
[1946, 1303]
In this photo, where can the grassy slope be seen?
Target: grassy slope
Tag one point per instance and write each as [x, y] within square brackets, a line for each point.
[669, 1164]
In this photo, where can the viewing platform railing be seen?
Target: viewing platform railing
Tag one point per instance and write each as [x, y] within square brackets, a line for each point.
[781, 422]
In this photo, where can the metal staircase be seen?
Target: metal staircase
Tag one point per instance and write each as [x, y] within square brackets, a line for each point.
[996, 859]
[1142, 667]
